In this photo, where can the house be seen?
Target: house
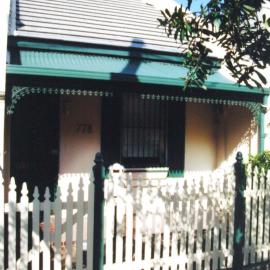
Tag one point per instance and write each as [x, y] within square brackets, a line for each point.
[89, 76]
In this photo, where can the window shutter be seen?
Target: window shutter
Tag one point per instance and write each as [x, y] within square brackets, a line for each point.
[176, 138]
[110, 138]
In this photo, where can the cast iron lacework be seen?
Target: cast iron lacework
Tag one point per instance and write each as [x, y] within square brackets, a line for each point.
[18, 92]
[255, 107]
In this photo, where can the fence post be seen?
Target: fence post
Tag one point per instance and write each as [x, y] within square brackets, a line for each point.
[99, 175]
[239, 212]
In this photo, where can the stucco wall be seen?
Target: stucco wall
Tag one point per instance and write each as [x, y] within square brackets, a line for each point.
[237, 132]
[215, 134]
[200, 142]
[79, 135]
[212, 135]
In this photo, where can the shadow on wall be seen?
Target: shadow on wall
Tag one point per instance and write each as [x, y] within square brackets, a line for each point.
[236, 130]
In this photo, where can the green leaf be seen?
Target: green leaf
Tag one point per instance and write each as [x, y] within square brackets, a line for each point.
[167, 12]
[176, 33]
[262, 78]
[268, 22]
[249, 8]
[189, 4]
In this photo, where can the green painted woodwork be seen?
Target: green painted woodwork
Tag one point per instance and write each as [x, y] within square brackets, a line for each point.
[108, 68]
[139, 53]
[261, 123]
[17, 92]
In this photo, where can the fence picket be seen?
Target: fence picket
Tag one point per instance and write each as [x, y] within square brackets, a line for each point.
[166, 226]
[199, 224]
[46, 235]
[109, 221]
[267, 215]
[79, 232]
[2, 214]
[58, 230]
[215, 240]
[157, 220]
[129, 221]
[231, 180]
[248, 214]
[260, 217]
[138, 227]
[184, 228]
[69, 229]
[224, 222]
[254, 221]
[148, 228]
[24, 228]
[119, 230]
[90, 223]
[208, 236]
[12, 206]
[174, 219]
[35, 230]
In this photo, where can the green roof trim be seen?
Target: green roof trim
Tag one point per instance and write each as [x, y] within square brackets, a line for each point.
[114, 68]
[139, 53]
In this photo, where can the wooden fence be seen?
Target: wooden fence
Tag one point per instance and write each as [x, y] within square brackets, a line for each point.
[170, 223]
[45, 234]
[257, 221]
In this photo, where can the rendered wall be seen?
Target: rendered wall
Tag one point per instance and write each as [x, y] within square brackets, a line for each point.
[214, 134]
[79, 136]
[237, 131]
[200, 142]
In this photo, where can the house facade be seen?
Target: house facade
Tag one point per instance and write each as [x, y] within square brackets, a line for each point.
[100, 76]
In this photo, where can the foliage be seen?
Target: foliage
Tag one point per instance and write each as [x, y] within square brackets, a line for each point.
[236, 26]
[261, 160]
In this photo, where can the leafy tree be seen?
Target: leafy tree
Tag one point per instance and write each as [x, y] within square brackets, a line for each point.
[236, 26]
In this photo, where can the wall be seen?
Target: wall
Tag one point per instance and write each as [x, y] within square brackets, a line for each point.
[79, 135]
[214, 134]
[200, 142]
[237, 132]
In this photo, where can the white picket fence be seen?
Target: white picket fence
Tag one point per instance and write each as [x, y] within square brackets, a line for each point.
[170, 223]
[45, 234]
[257, 221]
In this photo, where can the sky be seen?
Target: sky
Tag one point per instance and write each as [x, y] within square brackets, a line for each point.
[170, 4]
[195, 3]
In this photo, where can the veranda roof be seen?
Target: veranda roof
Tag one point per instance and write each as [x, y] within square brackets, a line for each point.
[124, 66]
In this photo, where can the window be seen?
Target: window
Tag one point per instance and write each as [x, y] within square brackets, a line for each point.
[143, 133]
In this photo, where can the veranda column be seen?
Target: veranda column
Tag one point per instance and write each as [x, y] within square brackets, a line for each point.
[4, 22]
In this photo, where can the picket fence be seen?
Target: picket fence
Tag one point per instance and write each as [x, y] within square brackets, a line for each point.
[168, 223]
[45, 234]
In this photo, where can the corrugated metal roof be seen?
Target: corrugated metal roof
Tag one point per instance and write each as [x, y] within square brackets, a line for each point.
[125, 23]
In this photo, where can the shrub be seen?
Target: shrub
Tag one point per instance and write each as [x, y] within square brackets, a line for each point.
[261, 160]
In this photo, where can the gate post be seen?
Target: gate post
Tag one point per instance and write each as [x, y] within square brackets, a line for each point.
[239, 212]
[99, 176]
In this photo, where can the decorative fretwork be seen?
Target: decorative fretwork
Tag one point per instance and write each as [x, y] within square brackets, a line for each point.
[254, 107]
[18, 92]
